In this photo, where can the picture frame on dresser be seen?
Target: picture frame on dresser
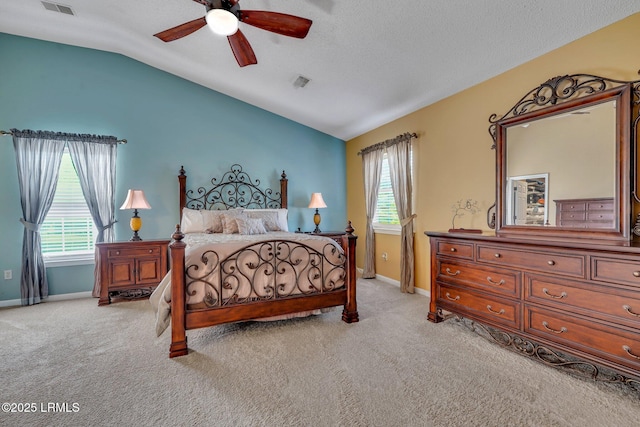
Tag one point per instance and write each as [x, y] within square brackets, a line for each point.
[566, 293]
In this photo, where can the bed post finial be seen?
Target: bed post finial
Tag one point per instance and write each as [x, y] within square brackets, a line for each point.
[349, 228]
[182, 171]
[177, 235]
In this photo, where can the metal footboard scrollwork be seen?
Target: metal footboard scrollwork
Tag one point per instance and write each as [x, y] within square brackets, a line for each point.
[266, 270]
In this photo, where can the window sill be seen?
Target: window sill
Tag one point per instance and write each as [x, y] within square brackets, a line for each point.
[387, 229]
[68, 261]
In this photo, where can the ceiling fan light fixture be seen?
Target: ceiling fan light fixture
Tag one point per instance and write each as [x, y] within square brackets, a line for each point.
[222, 22]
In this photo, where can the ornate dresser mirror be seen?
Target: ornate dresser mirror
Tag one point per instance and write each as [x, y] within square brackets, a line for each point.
[563, 160]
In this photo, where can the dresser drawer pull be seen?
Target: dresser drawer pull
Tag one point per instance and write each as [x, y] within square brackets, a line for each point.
[454, 250]
[627, 308]
[493, 282]
[546, 292]
[497, 255]
[551, 262]
[448, 295]
[628, 350]
[452, 273]
[546, 326]
[150, 251]
[117, 252]
[499, 313]
[636, 274]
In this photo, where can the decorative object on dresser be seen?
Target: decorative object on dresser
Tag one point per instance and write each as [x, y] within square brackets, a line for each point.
[228, 276]
[317, 202]
[566, 293]
[135, 200]
[459, 209]
[130, 269]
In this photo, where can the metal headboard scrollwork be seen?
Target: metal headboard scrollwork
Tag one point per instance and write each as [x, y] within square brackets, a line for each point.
[235, 189]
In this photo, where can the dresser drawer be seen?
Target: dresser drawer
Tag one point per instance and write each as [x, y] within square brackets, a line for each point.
[490, 279]
[544, 262]
[614, 344]
[615, 271]
[496, 310]
[605, 205]
[134, 252]
[603, 302]
[574, 206]
[455, 249]
[573, 216]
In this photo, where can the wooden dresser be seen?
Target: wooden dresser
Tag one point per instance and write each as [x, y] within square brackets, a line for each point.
[581, 299]
[131, 269]
[586, 213]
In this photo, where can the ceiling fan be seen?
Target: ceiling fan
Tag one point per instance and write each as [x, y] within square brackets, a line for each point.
[223, 17]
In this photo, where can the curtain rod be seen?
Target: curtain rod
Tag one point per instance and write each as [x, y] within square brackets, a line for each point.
[4, 132]
[389, 142]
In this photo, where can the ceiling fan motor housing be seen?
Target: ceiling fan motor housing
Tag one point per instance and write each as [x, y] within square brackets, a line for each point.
[226, 5]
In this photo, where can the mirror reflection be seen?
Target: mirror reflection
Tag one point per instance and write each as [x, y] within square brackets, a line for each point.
[569, 162]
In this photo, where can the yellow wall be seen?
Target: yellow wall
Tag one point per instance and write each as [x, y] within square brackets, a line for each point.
[454, 160]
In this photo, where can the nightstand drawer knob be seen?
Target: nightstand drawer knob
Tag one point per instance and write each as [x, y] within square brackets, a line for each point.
[453, 249]
[636, 274]
[150, 251]
[117, 252]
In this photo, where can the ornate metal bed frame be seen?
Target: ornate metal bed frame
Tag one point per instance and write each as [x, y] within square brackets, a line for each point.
[316, 274]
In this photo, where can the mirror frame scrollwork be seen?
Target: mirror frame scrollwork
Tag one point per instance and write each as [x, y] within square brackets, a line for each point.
[563, 94]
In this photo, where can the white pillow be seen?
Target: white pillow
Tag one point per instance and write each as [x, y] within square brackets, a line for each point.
[273, 219]
[192, 221]
[248, 225]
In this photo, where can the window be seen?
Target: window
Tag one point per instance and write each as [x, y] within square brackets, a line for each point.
[386, 218]
[68, 233]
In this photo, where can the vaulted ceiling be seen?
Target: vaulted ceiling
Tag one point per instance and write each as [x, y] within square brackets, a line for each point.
[369, 62]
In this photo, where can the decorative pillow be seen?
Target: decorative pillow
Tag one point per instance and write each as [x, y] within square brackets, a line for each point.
[192, 221]
[229, 223]
[273, 219]
[248, 225]
[212, 220]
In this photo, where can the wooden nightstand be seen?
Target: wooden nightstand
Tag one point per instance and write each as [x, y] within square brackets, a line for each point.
[130, 269]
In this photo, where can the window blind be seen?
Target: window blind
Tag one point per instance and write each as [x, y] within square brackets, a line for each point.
[68, 228]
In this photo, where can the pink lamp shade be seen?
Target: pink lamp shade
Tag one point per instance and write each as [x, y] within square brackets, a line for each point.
[317, 202]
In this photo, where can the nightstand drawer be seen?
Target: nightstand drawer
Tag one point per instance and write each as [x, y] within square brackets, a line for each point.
[134, 251]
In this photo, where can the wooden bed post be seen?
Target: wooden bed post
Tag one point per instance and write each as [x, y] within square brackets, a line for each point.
[350, 312]
[283, 190]
[182, 179]
[178, 304]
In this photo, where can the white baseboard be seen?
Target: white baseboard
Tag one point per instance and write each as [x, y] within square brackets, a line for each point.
[397, 283]
[60, 297]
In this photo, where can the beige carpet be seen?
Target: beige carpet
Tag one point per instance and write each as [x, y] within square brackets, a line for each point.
[394, 368]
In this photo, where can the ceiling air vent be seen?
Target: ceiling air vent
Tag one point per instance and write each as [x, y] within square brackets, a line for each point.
[301, 81]
[54, 7]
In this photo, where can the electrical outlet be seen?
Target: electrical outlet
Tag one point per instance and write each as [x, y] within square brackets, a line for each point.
[8, 275]
[385, 256]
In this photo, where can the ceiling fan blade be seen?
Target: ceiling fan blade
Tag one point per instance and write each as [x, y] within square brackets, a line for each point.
[280, 23]
[181, 30]
[242, 49]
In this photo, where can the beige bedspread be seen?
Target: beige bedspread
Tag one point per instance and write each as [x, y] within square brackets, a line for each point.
[250, 276]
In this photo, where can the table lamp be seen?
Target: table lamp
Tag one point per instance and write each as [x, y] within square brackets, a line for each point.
[135, 200]
[317, 202]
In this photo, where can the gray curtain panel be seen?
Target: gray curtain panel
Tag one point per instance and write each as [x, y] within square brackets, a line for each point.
[372, 170]
[38, 160]
[95, 162]
[399, 158]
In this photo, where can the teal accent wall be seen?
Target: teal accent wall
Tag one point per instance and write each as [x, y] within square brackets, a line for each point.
[169, 122]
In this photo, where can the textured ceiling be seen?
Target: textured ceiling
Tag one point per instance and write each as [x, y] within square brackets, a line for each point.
[369, 61]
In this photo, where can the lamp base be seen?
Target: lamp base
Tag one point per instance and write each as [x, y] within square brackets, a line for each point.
[136, 224]
[316, 221]
[135, 237]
